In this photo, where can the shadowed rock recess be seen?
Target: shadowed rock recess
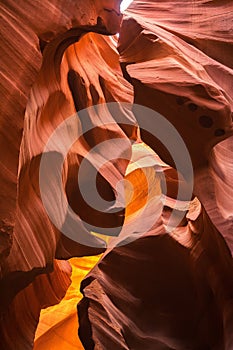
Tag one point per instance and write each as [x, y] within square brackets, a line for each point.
[147, 268]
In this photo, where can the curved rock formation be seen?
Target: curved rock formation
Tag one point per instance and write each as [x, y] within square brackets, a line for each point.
[58, 324]
[162, 291]
[159, 292]
[19, 321]
[36, 242]
[165, 280]
[179, 68]
[25, 29]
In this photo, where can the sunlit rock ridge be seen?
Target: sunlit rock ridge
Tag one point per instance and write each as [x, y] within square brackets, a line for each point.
[150, 267]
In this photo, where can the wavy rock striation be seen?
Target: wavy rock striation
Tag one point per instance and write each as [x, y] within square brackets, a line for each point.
[174, 290]
[165, 281]
[28, 256]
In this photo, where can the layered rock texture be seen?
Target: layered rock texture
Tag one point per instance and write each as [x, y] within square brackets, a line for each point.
[31, 278]
[152, 250]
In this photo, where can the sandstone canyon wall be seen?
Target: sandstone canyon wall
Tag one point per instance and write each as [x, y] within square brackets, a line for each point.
[164, 279]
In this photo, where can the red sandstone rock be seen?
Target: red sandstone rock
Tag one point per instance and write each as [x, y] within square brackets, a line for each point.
[24, 28]
[35, 244]
[161, 291]
[156, 293]
[180, 65]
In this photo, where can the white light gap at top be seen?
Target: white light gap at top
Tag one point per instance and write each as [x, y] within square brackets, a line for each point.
[125, 4]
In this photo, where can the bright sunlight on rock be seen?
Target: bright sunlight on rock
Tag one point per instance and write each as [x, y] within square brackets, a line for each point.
[116, 182]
